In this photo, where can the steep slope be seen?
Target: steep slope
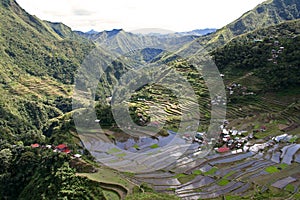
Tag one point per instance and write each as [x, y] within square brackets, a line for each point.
[268, 13]
[265, 62]
[269, 53]
[37, 67]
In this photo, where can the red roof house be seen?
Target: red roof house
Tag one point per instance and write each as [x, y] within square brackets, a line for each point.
[61, 147]
[36, 145]
[223, 149]
[67, 151]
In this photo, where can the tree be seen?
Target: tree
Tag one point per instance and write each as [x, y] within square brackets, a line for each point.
[5, 160]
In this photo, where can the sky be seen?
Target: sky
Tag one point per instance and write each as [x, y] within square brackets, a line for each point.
[174, 15]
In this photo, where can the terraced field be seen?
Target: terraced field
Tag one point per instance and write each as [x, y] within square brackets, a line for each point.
[218, 175]
[180, 168]
[202, 175]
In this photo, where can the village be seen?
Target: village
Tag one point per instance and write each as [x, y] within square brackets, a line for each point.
[238, 141]
[61, 148]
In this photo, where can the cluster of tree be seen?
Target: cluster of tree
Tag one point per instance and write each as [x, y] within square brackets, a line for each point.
[271, 54]
[28, 173]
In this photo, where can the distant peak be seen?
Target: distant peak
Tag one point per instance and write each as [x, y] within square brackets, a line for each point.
[198, 32]
[113, 32]
[91, 32]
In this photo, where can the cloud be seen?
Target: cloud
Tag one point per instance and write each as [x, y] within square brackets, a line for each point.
[181, 15]
[82, 12]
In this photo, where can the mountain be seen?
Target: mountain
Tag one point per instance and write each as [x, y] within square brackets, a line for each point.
[268, 53]
[38, 61]
[92, 31]
[38, 66]
[122, 42]
[198, 32]
[268, 13]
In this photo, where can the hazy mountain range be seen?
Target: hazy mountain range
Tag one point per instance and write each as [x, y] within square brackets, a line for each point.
[39, 61]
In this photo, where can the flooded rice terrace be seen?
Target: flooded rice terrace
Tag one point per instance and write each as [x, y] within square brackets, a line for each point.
[146, 143]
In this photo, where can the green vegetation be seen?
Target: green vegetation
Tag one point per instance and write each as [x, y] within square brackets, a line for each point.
[229, 174]
[109, 176]
[268, 13]
[37, 67]
[197, 172]
[113, 151]
[212, 171]
[223, 182]
[180, 175]
[272, 169]
[276, 168]
[120, 155]
[151, 196]
[154, 146]
[231, 197]
[110, 195]
[290, 188]
[184, 178]
[282, 166]
[38, 64]
[272, 57]
[35, 173]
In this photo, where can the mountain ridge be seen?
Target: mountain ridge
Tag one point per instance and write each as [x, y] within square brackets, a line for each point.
[39, 61]
[268, 13]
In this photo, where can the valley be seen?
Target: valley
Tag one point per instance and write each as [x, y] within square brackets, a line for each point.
[173, 116]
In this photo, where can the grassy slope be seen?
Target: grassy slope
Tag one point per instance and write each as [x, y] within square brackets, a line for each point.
[268, 13]
[275, 83]
[36, 67]
[26, 73]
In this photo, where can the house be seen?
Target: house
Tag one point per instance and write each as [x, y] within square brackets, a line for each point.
[257, 147]
[67, 151]
[234, 132]
[36, 145]
[246, 148]
[237, 151]
[225, 131]
[280, 137]
[77, 155]
[223, 149]
[199, 137]
[63, 148]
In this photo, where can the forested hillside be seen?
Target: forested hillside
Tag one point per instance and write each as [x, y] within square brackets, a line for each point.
[266, 14]
[43, 157]
[272, 54]
[37, 68]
